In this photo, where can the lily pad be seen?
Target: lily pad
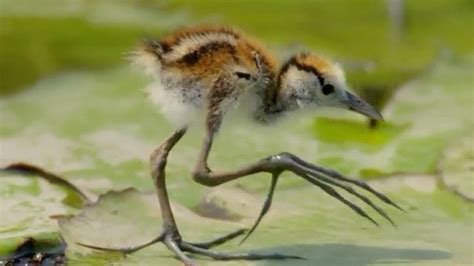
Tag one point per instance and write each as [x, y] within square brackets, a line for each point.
[96, 129]
[322, 231]
[27, 204]
[137, 221]
[108, 218]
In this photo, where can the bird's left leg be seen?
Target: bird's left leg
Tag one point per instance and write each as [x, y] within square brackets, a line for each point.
[325, 179]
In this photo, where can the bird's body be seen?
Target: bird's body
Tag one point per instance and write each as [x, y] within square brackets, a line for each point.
[190, 63]
[210, 69]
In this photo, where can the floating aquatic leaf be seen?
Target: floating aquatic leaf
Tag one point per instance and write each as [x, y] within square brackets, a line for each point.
[85, 131]
[26, 207]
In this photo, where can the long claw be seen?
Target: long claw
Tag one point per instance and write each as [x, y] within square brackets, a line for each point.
[266, 206]
[126, 250]
[235, 256]
[338, 176]
[329, 190]
[350, 190]
[220, 240]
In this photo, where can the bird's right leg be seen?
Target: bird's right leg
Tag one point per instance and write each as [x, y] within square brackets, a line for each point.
[158, 160]
[170, 235]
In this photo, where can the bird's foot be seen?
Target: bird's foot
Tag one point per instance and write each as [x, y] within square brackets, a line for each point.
[326, 179]
[182, 249]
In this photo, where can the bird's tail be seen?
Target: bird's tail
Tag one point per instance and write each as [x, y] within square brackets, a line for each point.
[147, 56]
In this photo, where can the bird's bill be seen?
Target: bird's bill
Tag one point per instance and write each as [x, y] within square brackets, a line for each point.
[356, 104]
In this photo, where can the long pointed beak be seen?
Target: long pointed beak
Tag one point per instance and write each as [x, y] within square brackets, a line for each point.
[356, 104]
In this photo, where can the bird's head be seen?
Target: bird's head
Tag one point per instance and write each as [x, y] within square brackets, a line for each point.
[310, 80]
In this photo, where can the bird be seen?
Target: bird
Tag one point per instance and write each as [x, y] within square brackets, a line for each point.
[208, 71]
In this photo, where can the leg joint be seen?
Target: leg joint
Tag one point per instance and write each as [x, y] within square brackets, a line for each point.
[280, 162]
[202, 177]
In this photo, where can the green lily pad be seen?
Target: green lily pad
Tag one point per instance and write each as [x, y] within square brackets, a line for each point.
[27, 204]
[96, 128]
[78, 133]
[107, 218]
[137, 221]
[320, 229]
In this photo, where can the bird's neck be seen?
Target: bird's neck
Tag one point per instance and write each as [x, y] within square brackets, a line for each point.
[275, 104]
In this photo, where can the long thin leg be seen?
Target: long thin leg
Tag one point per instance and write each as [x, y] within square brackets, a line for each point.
[272, 164]
[158, 160]
[276, 164]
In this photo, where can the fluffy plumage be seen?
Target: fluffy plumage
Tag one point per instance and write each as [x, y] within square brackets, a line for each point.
[187, 64]
[210, 68]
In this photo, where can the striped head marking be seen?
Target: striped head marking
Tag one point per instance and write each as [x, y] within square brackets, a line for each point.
[307, 79]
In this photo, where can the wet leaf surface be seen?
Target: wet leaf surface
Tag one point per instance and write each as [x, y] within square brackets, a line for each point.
[96, 131]
[326, 233]
[26, 207]
[108, 218]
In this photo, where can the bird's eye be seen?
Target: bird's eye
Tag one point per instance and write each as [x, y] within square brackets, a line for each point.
[242, 75]
[328, 89]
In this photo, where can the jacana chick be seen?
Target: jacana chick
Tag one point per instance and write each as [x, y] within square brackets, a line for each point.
[209, 70]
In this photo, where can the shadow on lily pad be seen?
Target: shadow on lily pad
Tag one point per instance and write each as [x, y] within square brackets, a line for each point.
[352, 255]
